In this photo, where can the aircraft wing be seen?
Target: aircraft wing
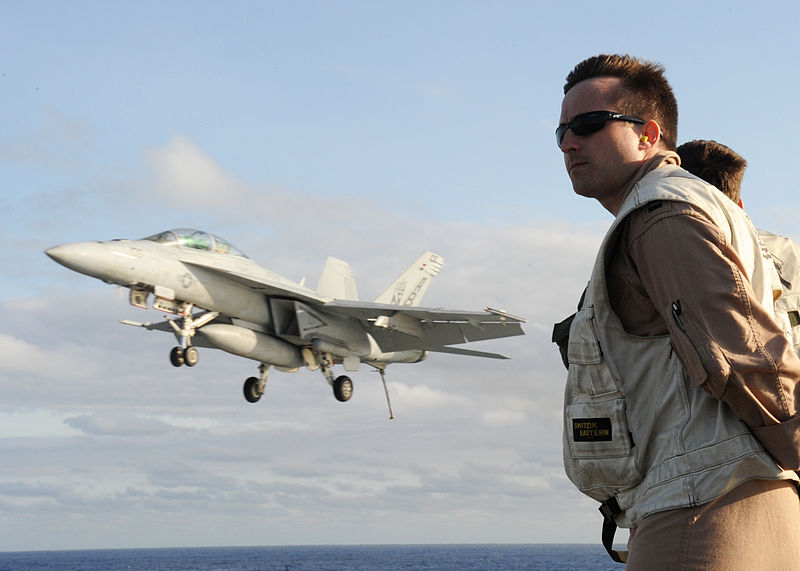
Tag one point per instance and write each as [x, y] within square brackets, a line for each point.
[394, 327]
[401, 328]
[264, 285]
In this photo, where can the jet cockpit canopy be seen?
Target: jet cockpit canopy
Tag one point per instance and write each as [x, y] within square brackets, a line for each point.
[196, 239]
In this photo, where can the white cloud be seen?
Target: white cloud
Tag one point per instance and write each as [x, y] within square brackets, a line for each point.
[17, 355]
[119, 425]
[424, 396]
[189, 177]
[35, 424]
[20, 356]
[503, 417]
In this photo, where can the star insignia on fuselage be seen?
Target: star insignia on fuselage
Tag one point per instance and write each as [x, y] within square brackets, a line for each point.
[187, 280]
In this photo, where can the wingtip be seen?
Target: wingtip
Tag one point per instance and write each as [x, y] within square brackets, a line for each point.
[505, 314]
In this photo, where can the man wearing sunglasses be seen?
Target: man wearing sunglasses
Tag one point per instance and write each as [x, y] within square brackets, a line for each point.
[681, 408]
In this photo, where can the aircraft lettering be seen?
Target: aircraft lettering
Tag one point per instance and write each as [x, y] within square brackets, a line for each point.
[397, 294]
[415, 291]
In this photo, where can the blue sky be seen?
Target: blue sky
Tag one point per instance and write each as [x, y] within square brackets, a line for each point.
[370, 131]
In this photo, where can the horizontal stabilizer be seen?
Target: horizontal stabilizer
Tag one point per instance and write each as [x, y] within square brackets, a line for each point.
[467, 352]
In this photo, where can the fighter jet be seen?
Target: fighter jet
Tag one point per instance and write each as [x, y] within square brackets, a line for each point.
[222, 299]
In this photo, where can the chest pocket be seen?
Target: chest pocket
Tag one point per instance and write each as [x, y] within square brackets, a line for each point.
[599, 454]
[586, 357]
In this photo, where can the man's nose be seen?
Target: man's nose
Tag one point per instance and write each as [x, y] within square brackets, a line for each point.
[569, 142]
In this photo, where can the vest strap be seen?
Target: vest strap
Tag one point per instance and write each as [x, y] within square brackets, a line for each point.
[609, 509]
[561, 337]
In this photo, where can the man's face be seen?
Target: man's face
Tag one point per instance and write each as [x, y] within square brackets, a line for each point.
[600, 164]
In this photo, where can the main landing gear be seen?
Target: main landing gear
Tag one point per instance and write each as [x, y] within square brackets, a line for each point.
[342, 388]
[254, 386]
[342, 385]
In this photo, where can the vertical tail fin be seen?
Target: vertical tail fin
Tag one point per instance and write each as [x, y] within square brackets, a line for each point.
[337, 281]
[409, 288]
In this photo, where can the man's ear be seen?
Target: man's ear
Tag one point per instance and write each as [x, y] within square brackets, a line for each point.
[650, 135]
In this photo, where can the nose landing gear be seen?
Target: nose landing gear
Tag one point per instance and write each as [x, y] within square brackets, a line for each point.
[180, 356]
[185, 353]
[176, 357]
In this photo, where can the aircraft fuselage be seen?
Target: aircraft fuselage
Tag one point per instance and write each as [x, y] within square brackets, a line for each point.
[218, 282]
[171, 273]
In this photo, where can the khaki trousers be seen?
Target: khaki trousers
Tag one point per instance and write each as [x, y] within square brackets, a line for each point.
[755, 526]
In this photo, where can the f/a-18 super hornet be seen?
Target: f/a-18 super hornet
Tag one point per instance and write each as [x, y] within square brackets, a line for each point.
[222, 299]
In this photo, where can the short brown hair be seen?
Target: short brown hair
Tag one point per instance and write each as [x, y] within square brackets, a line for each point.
[645, 92]
[716, 164]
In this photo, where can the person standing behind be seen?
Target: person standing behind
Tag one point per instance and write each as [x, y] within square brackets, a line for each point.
[674, 345]
[716, 164]
[721, 166]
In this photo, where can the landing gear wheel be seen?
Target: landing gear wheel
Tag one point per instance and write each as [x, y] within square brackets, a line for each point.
[343, 388]
[190, 356]
[251, 393]
[176, 357]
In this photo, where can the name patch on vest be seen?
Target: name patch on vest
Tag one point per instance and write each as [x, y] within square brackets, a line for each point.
[591, 429]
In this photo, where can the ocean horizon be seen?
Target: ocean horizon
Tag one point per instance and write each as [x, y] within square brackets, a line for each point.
[320, 557]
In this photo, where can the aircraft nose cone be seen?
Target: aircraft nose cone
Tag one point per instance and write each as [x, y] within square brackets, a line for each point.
[90, 258]
[60, 254]
[67, 254]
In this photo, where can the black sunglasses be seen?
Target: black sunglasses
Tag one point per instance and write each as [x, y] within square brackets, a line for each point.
[591, 122]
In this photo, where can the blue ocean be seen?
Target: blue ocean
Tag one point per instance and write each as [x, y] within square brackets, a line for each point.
[321, 558]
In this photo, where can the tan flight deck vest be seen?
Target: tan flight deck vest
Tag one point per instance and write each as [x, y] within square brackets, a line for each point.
[636, 432]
